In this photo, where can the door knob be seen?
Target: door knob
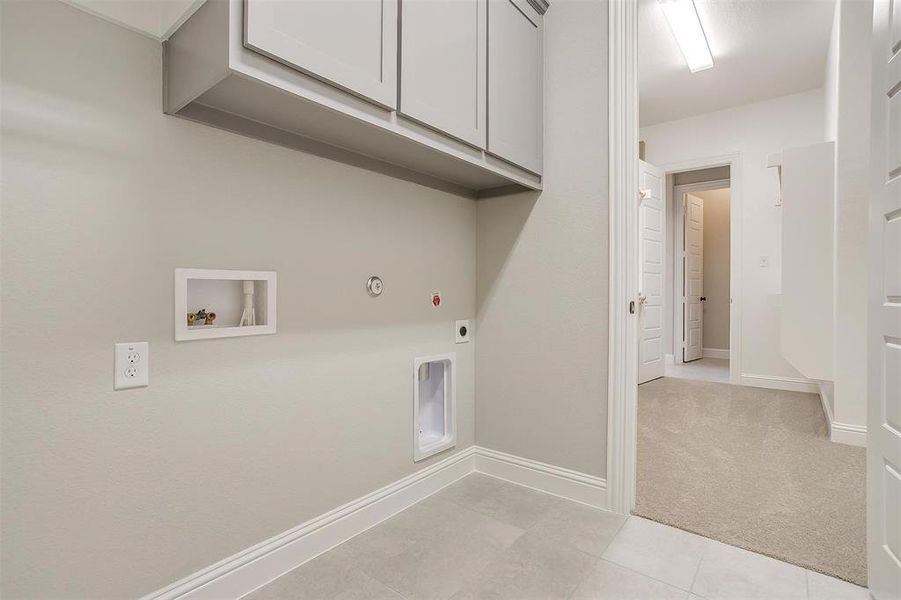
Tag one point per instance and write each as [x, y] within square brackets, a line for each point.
[642, 299]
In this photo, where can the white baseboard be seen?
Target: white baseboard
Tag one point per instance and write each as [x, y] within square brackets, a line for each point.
[823, 391]
[245, 571]
[568, 484]
[841, 433]
[789, 384]
[715, 353]
[254, 567]
[669, 359]
[844, 433]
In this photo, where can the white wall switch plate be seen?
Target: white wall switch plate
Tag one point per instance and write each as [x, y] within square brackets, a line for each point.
[463, 331]
[132, 365]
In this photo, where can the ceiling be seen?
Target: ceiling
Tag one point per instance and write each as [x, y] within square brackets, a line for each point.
[761, 49]
[154, 18]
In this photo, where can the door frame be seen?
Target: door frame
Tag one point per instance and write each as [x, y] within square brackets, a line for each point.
[622, 361]
[733, 161]
[622, 358]
[678, 208]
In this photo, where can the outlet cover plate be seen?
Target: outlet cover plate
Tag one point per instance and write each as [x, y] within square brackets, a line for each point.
[463, 331]
[132, 365]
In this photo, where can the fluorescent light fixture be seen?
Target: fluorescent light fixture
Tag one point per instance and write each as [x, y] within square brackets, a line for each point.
[686, 26]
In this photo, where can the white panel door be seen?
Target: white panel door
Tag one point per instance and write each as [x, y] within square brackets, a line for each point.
[884, 361]
[650, 298]
[515, 72]
[443, 60]
[693, 265]
[351, 44]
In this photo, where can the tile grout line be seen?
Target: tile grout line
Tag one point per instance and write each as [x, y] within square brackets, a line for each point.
[399, 595]
[582, 579]
[613, 539]
[646, 576]
[698, 568]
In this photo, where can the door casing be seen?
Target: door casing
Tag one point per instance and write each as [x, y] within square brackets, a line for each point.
[884, 314]
[676, 294]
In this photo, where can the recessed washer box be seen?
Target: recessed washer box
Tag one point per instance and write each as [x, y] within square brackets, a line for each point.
[434, 401]
[228, 294]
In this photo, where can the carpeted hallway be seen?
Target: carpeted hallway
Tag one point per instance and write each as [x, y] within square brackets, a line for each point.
[753, 468]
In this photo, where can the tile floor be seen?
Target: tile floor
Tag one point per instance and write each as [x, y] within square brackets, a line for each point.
[704, 369]
[484, 538]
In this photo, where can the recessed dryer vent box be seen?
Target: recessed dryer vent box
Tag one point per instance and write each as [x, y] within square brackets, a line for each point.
[434, 400]
[233, 296]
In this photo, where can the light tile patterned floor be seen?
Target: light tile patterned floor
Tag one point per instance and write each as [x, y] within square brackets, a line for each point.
[483, 538]
[705, 369]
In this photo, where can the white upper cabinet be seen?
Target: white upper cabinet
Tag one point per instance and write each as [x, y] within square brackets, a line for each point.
[443, 66]
[515, 74]
[349, 43]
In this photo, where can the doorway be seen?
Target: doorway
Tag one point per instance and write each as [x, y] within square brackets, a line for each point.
[729, 434]
[700, 265]
[687, 232]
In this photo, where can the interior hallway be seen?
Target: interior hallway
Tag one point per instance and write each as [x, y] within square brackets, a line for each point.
[754, 468]
[704, 369]
[486, 538]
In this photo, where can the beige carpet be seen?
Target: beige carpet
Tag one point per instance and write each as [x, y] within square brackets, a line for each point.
[752, 468]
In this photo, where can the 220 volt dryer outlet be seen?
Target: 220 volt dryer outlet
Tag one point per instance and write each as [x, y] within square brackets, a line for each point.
[463, 332]
[132, 365]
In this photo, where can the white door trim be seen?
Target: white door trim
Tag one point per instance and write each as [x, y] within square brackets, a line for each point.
[622, 378]
[884, 308]
[678, 242]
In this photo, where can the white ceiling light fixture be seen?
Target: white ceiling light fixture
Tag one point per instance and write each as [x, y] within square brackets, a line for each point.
[683, 20]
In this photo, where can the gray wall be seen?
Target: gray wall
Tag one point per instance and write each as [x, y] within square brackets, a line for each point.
[542, 269]
[717, 225]
[115, 494]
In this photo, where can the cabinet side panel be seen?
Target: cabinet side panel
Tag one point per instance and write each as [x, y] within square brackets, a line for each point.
[196, 55]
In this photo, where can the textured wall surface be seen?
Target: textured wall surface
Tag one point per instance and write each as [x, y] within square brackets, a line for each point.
[115, 494]
[542, 269]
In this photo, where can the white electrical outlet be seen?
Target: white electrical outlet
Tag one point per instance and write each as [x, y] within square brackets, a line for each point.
[764, 261]
[132, 365]
[463, 331]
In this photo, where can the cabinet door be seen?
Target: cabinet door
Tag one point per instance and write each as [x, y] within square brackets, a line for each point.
[515, 72]
[442, 62]
[351, 44]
